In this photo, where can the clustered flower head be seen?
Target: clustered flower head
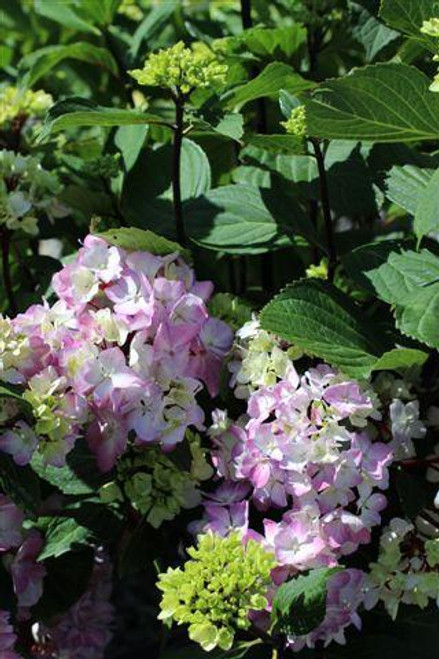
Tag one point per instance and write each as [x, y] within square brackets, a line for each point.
[156, 485]
[124, 352]
[223, 581]
[407, 569]
[296, 122]
[26, 191]
[22, 103]
[181, 69]
[312, 455]
[304, 447]
[131, 10]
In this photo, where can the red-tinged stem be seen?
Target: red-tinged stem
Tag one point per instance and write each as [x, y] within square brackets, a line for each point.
[419, 462]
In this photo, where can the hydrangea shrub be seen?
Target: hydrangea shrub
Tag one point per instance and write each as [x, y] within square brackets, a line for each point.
[219, 373]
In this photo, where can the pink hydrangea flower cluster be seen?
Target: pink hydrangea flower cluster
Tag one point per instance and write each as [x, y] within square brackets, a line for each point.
[306, 457]
[304, 448]
[126, 349]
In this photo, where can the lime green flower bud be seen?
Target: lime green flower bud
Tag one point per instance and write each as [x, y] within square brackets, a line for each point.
[296, 124]
[15, 102]
[217, 588]
[434, 87]
[131, 10]
[431, 27]
[319, 271]
[181, 69]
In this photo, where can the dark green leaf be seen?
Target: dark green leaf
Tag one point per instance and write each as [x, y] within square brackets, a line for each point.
[410, 281]
[79, 476]
[130, 140]
[371, 33]
[427, 211]
[19, 483]
[142, 240]
[63, 13]
[299, 605]
[400, 359]
[405, 186]
[407, 16]
[274, 43]
[39, 62]
[367, 258]
[244, 220]
[384, 103]
[274, 77]
[61, 536]
[155, 19]
[322, 320]
[277, 143]
[82, 112]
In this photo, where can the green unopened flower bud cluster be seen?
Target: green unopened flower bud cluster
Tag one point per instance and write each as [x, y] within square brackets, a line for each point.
[16, 102]
[181, 69]
[131, 10]
[26, 189]
[156, 486]
[407, 569]
[217, 588]
[431, 29]
[296, 123]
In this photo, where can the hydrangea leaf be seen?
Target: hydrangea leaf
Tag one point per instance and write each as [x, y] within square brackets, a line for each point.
[40, 61]
[400, 359]
[277, 143]
[79, 475]
[274, 77]
[61, 536]
[155, 19]
[405, 185]
[410, 281]
[278, 42]
[130, 140]
[134, 239]
[299, 605]
[367, 258]
[63, 13]
[77, 111]
[370, 32]
[241, 219]
[320, 319]
[427, 211]
[386, 102]
[19, 483]
[407, 17]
